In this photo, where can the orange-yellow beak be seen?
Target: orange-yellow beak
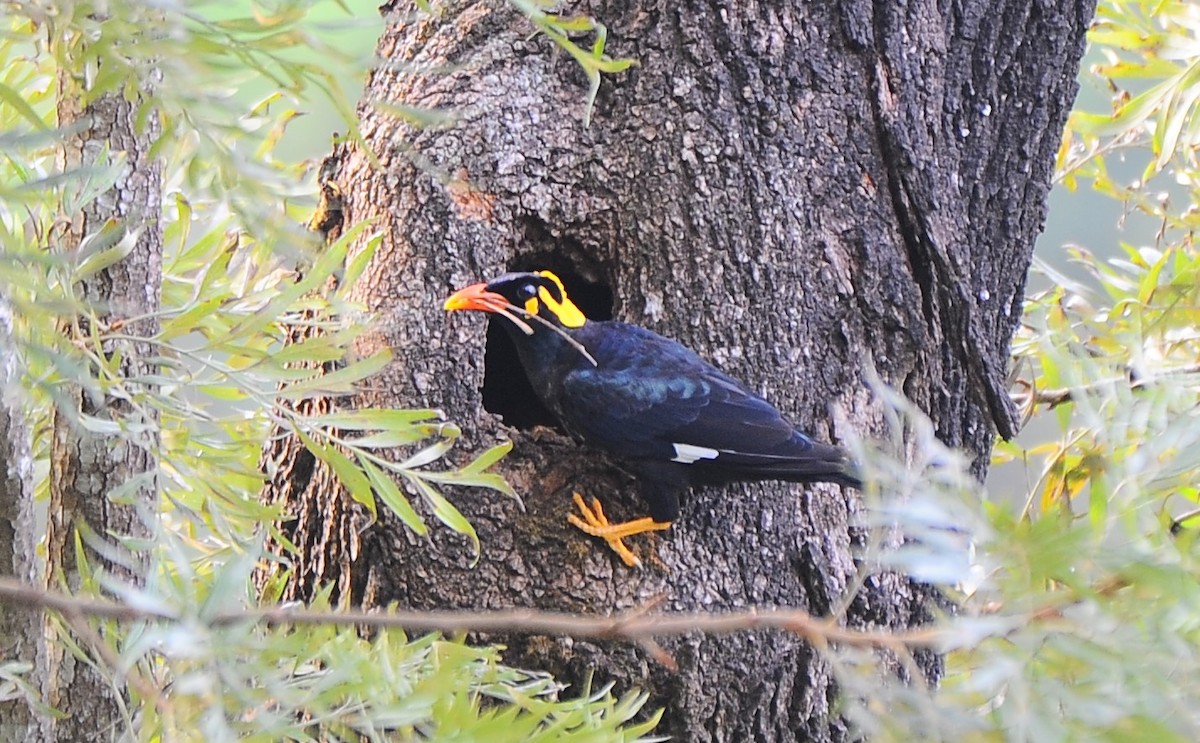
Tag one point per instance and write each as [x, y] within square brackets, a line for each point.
[475, 297]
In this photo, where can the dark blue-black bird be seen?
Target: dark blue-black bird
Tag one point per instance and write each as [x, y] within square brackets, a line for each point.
[672, 419]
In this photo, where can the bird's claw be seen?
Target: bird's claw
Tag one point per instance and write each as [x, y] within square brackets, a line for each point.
[594, 522]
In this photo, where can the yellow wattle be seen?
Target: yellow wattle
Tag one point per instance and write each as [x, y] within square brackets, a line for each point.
[566, 311]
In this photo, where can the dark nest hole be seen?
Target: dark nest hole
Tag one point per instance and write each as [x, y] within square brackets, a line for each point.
[506, 390]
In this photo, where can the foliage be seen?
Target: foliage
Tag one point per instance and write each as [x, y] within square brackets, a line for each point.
[1111, 355]
[1078, 608]
[246, 680]
[594, 63]
[1075, 611]
[238, 352]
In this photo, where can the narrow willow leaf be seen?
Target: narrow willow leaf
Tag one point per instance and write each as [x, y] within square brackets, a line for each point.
[393, 439]
[446, 512]
[227, 392]
[1132, 114]
[180, 228]
[342, 380]
[357, 484]
[20, 105]
[318, 348]
[134, 488]
[391, 496]
[227, 592]
[217, 241]
[1061, 279]
[188, 320]
[429, 454]
[369, 419]
[1149, 283]
[104, 248]
[489, 480]
[488, 458]
[103, 426]
[360, 261]
[1180, 108]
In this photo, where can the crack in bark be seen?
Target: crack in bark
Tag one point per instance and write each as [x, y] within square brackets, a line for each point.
[949, 308]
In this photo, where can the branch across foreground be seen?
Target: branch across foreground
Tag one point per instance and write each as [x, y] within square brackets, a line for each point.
[639, 625]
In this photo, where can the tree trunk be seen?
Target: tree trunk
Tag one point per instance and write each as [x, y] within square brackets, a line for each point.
[793, 190]
[21, 635]
[87, 462]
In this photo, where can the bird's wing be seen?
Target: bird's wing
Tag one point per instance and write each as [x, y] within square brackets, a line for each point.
[672, 405]
[653, 401]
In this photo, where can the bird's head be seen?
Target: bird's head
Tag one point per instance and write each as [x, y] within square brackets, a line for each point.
[538, 295]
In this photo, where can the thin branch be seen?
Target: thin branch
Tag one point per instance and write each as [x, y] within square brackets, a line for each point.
[509, 309]
[1055, 611]
[1029, 394]
[565, 335]
[636, 626]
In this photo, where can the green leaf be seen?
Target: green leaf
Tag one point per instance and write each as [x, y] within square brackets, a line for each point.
[22, 107]
[187, 321]
[475, 474]
[391, 496]
[340, 381]
[1181, 106]
[489, 457]
[393, 439]
[357, 484]
[365, 419]
[360, 261]
[429, 454]
[105, 248]
[446, 512]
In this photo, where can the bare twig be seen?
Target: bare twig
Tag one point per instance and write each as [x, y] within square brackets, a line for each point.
[524, 326]
[1055, 611]
[509, 310]
[1030, 395]
[566, 336]
[635, 626]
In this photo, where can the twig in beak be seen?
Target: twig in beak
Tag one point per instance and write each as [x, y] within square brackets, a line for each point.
[574, 343]
[524, 326]
[508, 309]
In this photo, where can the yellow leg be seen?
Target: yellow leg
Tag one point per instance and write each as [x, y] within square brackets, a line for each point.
[594, 522]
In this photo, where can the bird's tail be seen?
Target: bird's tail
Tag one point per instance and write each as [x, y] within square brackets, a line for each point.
[805, 461]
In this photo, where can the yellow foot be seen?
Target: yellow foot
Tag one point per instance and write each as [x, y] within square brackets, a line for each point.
[594, 522]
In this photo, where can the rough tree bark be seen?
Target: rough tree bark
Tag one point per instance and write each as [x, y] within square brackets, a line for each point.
[21, 633]
[790, 189]
[88, 463]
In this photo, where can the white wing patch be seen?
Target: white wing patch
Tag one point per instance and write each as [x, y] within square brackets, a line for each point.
[689, 454]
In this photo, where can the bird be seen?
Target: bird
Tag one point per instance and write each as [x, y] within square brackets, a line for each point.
[666, 416]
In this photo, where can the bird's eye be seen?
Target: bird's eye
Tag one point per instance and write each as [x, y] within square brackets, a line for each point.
[528, 291]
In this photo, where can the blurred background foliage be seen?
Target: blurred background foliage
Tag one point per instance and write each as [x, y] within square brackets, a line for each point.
[1079, 614]
[249, 96]
[1073, 574]
[1077, 603]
